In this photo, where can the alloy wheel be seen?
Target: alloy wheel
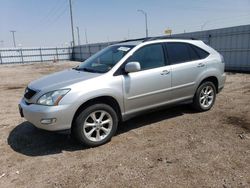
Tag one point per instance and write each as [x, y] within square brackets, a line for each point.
[97, 125]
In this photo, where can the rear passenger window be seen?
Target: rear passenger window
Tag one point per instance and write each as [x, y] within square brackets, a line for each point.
[177, 52]
[183, 52]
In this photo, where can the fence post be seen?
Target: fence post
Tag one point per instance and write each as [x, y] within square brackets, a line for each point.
[21, 51]
[56, 55]
[1, 61]
[89, 51]
[209, 39]
[70, 53]
[41, 55]
[81, 53]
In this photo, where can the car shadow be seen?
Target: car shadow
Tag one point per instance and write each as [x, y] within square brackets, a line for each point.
[28, 140]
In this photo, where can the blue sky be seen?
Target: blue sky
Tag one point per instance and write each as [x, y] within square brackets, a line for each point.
[47, 22]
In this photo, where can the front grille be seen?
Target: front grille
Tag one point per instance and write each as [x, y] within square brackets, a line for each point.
[29, 93]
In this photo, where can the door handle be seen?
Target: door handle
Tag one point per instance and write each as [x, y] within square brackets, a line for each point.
[200, 65]
[165, 72]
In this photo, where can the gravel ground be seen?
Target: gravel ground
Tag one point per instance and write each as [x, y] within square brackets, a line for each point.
[174, 147]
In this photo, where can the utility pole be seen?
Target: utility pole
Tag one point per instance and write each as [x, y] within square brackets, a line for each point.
[72, 24]
[78, 36]
[86, 37]
[204, 24]
[146, 20]
[2, 43]
[14, 39]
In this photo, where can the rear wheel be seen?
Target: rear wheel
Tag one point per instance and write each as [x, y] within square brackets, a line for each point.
[95, 125]
[205, 96]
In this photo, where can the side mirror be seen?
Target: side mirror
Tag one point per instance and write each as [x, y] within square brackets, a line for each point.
[132, 67]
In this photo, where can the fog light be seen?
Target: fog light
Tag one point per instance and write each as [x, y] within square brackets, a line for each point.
[48, 121]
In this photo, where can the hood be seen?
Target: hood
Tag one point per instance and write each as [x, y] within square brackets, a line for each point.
[61, 79]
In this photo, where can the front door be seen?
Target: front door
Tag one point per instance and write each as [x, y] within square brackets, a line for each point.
[151, 86]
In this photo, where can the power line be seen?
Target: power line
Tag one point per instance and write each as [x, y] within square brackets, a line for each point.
[52, 11]
[59, 15]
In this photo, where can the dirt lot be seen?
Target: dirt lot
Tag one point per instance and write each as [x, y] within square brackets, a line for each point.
[174, 147]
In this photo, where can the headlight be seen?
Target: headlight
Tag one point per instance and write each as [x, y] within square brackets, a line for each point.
[52, 98]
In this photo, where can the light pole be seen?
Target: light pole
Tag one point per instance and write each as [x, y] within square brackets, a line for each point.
[78, 36]
[72, 24]
[86, 36]
[146, 20]
[14, 39]
[2, 43]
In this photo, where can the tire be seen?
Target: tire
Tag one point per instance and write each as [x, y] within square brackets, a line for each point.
[95, 125]
[204, 97]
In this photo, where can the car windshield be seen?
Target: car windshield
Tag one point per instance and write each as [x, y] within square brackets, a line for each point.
[104, 60]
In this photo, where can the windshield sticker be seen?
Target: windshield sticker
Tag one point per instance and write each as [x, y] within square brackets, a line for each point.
[125, 49]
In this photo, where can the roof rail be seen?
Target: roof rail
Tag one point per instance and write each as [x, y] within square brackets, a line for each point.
[168, 37]
[155, 38]
[130, 40]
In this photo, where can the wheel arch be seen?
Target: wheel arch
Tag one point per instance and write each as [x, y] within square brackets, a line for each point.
[111, 101]
[212, 79]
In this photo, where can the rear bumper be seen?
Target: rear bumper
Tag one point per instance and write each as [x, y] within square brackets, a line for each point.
[222, 82]
[61, 115]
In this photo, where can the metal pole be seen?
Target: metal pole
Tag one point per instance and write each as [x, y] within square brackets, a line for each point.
[146, 20]
[86, 37]
[14, 39]
[2, 43]
[41, 55]
[56, 54]
[204, 24]
[1, 61]
[21, 51]
[89, 50]
[81, 53]
[78, 36]
[72, 24]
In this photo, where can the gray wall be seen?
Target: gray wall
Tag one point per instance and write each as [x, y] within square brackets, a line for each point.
[233, 43]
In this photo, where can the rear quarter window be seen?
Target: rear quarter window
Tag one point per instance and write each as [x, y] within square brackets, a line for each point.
[201, 53]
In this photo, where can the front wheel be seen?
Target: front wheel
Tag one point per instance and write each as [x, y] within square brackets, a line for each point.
[95, 125]
[204, 97]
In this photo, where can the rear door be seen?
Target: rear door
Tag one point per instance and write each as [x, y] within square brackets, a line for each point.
[186, 65]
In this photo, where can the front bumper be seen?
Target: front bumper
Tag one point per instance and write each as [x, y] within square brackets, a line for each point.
[34, 113]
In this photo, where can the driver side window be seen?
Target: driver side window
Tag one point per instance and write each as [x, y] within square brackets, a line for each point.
[150, 56]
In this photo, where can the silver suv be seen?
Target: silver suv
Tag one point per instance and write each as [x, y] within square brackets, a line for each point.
[122, 81]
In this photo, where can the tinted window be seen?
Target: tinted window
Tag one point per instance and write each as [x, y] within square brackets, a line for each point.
[150, 56]
[178, 52]
[202, 53]
[192, 53]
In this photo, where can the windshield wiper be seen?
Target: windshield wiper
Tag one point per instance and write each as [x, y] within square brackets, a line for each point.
[76, 68]
[87, 70]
